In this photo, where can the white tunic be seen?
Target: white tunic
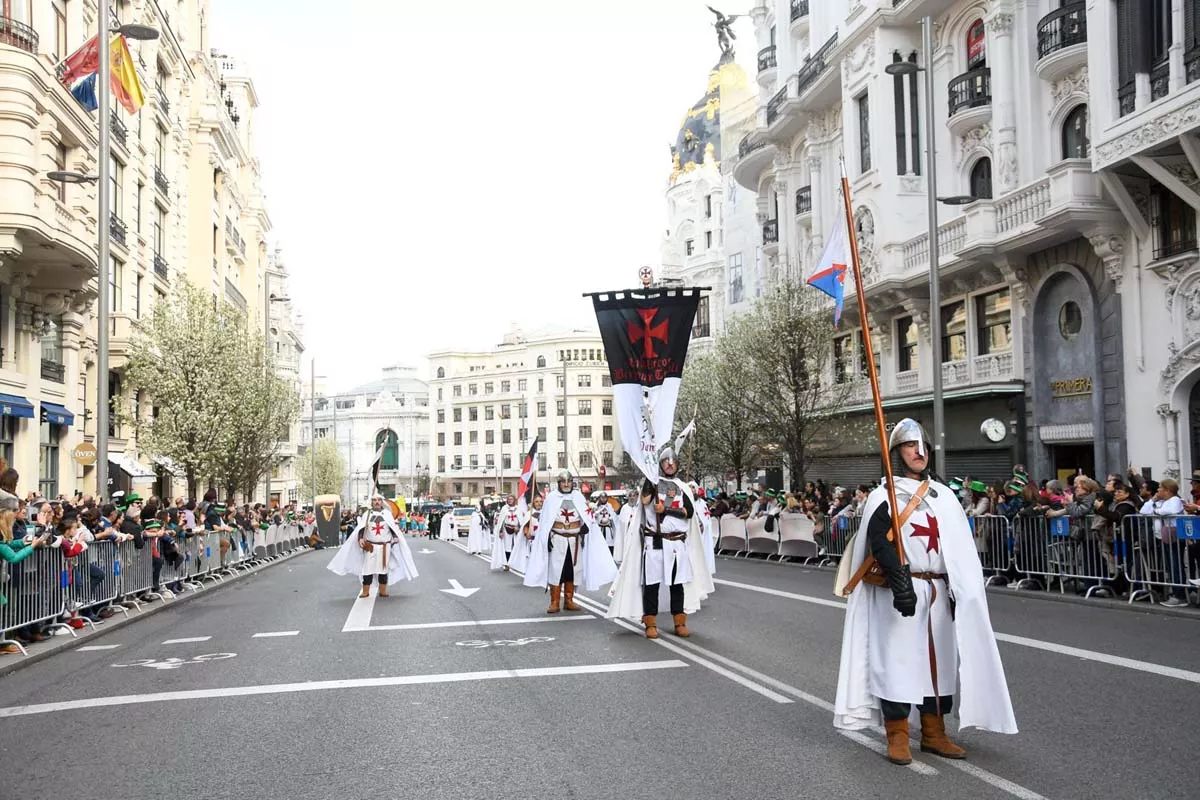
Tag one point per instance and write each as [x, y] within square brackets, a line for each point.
[519, 560]
[380, 535]
[509, 521]
[607, 521]
[673, 556]
[625, 518]
[565, 522]
[476, 539]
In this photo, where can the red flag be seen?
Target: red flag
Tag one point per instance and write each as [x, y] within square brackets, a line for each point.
[525, 490]
[82, 62]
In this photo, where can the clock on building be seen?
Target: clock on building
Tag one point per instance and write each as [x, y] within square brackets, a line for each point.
[995, 430]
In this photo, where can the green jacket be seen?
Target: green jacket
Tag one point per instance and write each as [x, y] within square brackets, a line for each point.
[13, 556]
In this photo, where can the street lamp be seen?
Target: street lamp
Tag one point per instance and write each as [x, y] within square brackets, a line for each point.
[902, 68]
[104, 123]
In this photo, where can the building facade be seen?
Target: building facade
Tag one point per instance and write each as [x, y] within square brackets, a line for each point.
[1031, 264]
[392, 413]
[489, 404]
[185, 203]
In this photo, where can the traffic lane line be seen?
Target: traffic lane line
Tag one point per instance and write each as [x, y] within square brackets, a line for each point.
[188, 640]
[274, 634]
[332, 685]
[89, 647]
[473, 623]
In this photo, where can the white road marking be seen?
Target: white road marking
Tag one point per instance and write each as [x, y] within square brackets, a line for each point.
[86, 648]
[881, 748]
[188, 640]
[418, 626]
[359, 618]
[457, 589]
[273, 634]
[318, 686]
[1008, 638]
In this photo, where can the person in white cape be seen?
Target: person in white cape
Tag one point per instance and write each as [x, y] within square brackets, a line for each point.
[476, 535]
[446, 530]
[509, 521]
[563, 553]
[375, 549]
[663, 545]
[633, 502]
[917, 632]
[706, 527]
[519, 560]
[606, 519]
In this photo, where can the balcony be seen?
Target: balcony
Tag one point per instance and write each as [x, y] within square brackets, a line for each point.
[816, 85]
[970, 100]
[117, 128]
[53, 371]
[234, 295]
[755, 155]
[1160, 80]
[1062, 41]
[161, 182]
[160, 267]
[766, 59]
[116, 229]
[799, 17]
[19, 35]
[164, 105]
[907, 382]
[804, 201]
[234, 244]
[770, 236]
[775, 104]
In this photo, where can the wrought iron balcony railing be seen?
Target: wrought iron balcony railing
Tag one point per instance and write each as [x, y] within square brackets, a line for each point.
[766, 59]
[971, 90]
[1062, 28]
[18, 34]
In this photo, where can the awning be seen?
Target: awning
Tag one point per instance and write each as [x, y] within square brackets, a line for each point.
[13, 406]
[136, 470]
[170, 466]
[59, 415]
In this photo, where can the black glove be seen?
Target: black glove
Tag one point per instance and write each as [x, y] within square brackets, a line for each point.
[583, 529]
[904, 597]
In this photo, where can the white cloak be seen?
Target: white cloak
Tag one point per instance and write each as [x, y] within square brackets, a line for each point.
[502, 542]
[351, 559]
[476, 538]
[706, 532]
[624, 520]
[595, 568]
[626, 592]
[609, 534]
[524, 547]
[873, 629]
[446, 532]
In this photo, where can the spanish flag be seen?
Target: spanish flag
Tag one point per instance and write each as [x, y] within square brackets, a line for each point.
[126, 86]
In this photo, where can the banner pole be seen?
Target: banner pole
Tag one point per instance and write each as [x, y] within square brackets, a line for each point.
[868, 348]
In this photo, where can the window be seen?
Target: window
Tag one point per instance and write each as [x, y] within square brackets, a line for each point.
[474, 461]
[138, 200]
[489, 437]
[708, 240]
[1076, 141]
[441, 463]
[390, 442]
[160, 231]
[954, 332]
[606, 381]
[981, 179]
[8, 426]
[472, 389]
[864, 132]
[585, 431]
[473, 437]
[993, 316]
[560, 407]
[115, 269]
[60, 30]
[542, 434]
[976, 45]
[506, 462]
[543, 462]
[506, 436]
[441, 440]
[489, 412]
[505, 387]
[559, 383]
[606, 407]
[843, 357]
[708, 206]
[48, 461]
[583, 381]
[489, 387]
[441, 415]
[541, 408]
[489, 461]
[700, 326]
[607, 457]
[541, 385]
[541, 361]
[457, 392]
[562, 433]
[473, 414]
[585, 460]
[522, 385]
[160, 148]
[607, 433]
[906, 344]
[735, 278]
[439, 394]
[585, 407]
[523, 409]
[458, 415]
[689, 247]
[523, 436]
[562, 459]
[1174, 223]
[60, 164]
[458, 465]
[137, 298]
[506, 411]
[441, 372]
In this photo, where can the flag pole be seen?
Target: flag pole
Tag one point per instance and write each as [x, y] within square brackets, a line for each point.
[868, 348]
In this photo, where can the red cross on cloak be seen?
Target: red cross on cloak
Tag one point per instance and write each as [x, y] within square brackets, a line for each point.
[377, 528]
[648, 332]
[929, 531]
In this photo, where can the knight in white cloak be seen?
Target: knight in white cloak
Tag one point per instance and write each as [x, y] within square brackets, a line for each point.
[446, 530]
[509, 521]
[562, 554]
[917, 632]
[476, 536]
[375, 549]
[519, 560]
[663, 546]
[606, 519]
[706, 527]
[624, 520]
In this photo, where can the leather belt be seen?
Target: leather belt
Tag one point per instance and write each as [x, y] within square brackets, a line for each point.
[930, 576]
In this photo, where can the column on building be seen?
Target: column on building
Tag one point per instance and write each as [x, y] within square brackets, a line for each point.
[1004, 123]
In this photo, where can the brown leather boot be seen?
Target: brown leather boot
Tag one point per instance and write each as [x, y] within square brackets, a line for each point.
[569, 597]
[681, 628]
[383, 590]
[898, 750]
[651, 623]
[366, 592]
[555, 593]
[934, 739]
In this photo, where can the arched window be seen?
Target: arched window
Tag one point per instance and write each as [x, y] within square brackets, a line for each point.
[981, 179]
[541, 362]
[391, 450]
[441, 372]
[1076, 142]
[976, 45]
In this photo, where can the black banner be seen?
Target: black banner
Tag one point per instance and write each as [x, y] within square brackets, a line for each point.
[646, 332]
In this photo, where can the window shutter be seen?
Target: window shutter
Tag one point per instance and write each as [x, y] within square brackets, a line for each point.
[1125, 35]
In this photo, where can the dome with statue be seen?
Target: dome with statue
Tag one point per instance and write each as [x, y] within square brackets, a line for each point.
[699, 136]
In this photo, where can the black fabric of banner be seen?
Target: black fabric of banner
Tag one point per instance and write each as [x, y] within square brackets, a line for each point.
[646, 335]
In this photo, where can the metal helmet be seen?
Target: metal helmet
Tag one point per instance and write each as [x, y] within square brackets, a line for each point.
[563, 475]
[599, 496]
[909, 430]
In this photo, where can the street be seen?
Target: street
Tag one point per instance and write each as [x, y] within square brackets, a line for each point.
[283, 685]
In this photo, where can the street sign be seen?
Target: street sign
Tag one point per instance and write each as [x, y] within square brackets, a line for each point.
[84, 454]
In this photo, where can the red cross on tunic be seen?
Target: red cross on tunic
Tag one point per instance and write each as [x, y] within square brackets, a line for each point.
[377, 528]
[677, 502]
[566, 514]
[929, 531]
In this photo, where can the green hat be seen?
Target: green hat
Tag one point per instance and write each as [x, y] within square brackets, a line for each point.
[262, 526]
[1019, 480]
[955, 484]
[219, 508]
[1018, 473]
[152, 525]
[1016, 487]
[739, 495]
[977, 486]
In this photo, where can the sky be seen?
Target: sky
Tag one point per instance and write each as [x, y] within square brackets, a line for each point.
[439, 171]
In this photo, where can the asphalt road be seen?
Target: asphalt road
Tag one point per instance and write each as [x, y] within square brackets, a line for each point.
[435, 695]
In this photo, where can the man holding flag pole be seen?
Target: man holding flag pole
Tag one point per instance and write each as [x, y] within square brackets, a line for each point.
[916, 610]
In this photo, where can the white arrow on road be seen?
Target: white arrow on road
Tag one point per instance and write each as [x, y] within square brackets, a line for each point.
[425, 551]
[458, 590]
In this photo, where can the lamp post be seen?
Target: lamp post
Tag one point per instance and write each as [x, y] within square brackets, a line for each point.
[104, 123]
[268, 298]
[932, 200]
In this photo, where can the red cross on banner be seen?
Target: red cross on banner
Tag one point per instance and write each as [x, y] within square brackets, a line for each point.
[648, 332]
